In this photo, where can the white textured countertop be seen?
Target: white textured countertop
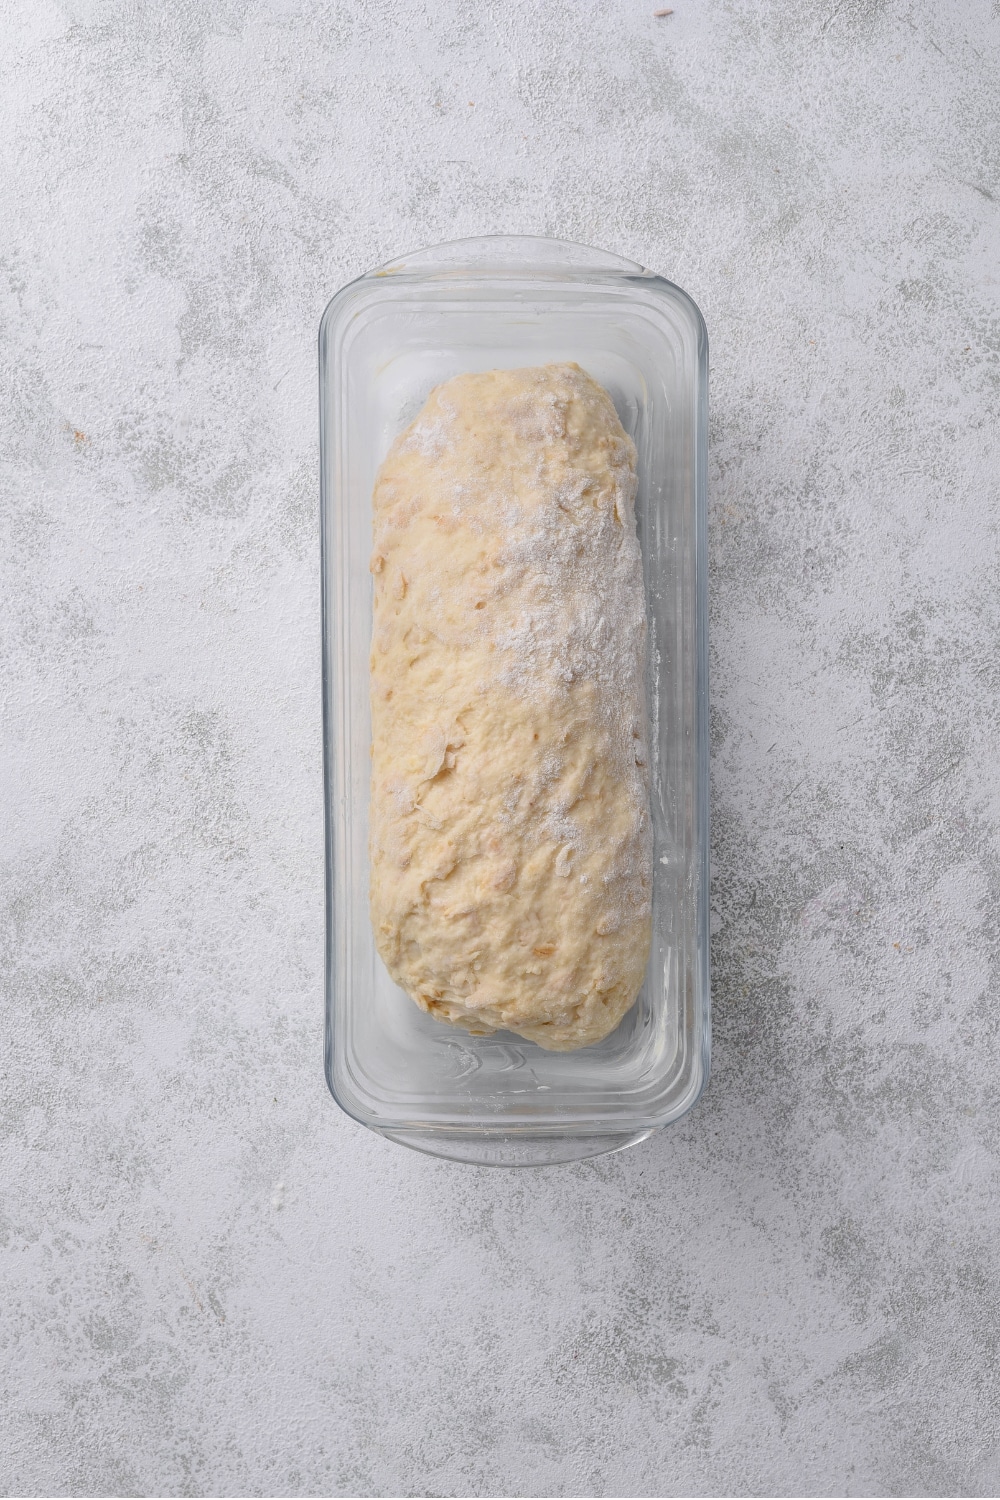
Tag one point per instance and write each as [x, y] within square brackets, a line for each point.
[214, 1282]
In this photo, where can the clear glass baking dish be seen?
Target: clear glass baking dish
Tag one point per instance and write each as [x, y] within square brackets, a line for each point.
[385, 341]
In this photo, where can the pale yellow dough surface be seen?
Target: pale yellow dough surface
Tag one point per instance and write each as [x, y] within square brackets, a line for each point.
[510, 831]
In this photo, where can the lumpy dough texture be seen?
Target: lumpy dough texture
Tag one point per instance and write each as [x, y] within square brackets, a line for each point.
[510, 831]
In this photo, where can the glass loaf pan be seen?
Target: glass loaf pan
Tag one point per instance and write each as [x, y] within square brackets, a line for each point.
[385, 341]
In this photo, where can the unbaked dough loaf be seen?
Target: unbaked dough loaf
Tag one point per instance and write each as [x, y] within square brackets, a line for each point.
[510, 829]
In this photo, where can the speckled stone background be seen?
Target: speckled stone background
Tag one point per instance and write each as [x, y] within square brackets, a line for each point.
[211, 1281]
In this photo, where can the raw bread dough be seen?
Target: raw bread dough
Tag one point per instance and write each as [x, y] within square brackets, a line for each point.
[510, 830]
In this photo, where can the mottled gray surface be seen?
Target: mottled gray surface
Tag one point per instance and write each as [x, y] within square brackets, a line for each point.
[212, 1281]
